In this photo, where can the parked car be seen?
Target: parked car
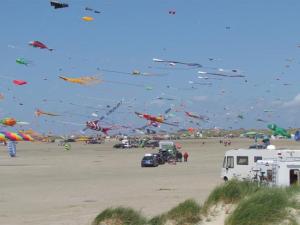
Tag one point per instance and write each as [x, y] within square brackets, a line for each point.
[119, 145]
[152, 144]
[149, 160]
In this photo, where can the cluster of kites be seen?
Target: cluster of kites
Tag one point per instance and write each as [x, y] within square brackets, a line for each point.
[174, 111]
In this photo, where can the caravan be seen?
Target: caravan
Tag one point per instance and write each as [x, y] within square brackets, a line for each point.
[283, 171]
[241, 164]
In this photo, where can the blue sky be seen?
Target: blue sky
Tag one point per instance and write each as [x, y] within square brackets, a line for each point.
[262, 42]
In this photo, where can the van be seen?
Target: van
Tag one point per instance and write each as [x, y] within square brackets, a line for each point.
[240, 163]
[279, 172]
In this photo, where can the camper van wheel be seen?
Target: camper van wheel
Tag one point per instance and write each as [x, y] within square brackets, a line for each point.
[225, 179]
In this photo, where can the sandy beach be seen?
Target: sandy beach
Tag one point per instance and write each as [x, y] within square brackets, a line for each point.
[47, 185]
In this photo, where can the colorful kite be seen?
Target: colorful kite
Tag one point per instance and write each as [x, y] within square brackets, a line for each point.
[12, 136]
[154, 120]
[8, 121]
[94, 125]
[19, 82]
[39, 112]
[81, 80]
[199, 117]
[87, 18]
[22, 61]
[38, 44]
[278, 131]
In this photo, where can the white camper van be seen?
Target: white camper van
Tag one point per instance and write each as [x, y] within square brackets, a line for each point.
[283, 171]
[240, 163]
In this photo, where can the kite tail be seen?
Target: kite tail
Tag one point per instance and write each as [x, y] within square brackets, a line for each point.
[50, 49]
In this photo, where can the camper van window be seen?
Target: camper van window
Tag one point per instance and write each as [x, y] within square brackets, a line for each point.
[230, 162]
[257, 158]
[224, 162]
[242, 160]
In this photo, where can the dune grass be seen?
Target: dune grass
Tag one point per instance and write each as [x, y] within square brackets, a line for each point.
[185, 213]
[229, 192]
[268, 206]
[254, 205]
[120, 216]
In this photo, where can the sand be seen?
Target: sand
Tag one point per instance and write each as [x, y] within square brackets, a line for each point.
[46, 185]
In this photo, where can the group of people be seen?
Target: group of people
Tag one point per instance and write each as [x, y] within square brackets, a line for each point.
[226, 142]
[179, 156]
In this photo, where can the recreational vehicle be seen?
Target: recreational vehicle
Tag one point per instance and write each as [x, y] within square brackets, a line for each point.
[283, 171]
[241, 163]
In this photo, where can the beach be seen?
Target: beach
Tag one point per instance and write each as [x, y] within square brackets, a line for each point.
[46, 184]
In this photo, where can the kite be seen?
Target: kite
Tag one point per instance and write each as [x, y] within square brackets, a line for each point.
[12, 136]
[90, 9]
[172, 12]
[199, 117]
[163, 98]
[173, 63]
[149, 88]
[19, 82]
[278, 130]
[39, 112]
[37, 44]
[240, 116]
[87, 18]
[261, 120]
[154, 120]
[111, 110]
[94, 125]
[22, 61]
[8, 121]
[58, 5]
[268, 111]
[203, 83]
[134, 73]
[81, 80]
[168, 110]
[209, 78]
[222, 74]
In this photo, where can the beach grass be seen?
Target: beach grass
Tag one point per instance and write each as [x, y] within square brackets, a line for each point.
[268, 206]
[120, 216]
[185, 213]
[229, 192]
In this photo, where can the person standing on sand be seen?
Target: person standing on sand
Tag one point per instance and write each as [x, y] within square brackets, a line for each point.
[185, 156]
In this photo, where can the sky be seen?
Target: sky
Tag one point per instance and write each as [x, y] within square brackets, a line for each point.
[258, 38]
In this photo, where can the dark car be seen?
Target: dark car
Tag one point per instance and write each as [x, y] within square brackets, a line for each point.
[119, 145]
[152, 144]
[149, 160]
[159, 158]
[257, 146]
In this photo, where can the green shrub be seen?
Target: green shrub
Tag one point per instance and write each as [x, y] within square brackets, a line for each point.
[121, 216]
